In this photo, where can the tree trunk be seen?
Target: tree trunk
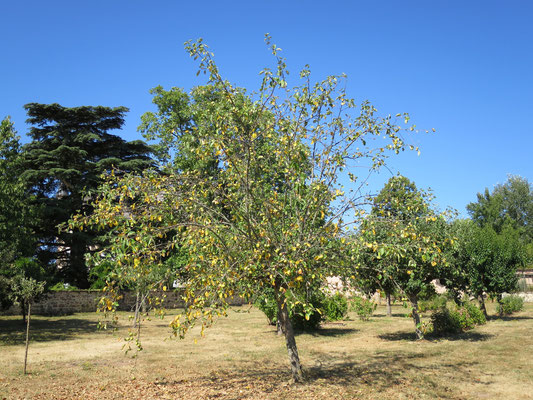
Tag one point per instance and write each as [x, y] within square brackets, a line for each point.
[76, 267]
[500, 303]
[136, 316]
[143, 304]
[482, 306]
[416, 317]
[286, 328]
[389, 304]
[27, 337]
[278, 328]
[23, 311]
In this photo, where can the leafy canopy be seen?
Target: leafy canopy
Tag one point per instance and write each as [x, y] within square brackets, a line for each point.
[402, 244]
[270, 214]
[508, 205]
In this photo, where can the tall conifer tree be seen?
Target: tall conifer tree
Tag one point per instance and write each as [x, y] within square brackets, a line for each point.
[70, 149]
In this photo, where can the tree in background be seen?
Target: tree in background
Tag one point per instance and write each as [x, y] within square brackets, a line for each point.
[509, 205]
[16, 236]
[489, 260]
[179, 115]
[271, 217]
[17, 240]
[369, 275]
[404, 241]
[70, 149]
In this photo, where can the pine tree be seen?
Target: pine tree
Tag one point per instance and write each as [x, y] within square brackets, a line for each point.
[71, 148]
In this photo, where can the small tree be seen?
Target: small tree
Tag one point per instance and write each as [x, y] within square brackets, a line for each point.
[24, 292]
[271, 216]
[404, 241]
[490, 261]
[21, 267]
[370, 274]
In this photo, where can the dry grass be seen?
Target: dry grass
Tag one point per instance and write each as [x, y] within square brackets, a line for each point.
[242, 358]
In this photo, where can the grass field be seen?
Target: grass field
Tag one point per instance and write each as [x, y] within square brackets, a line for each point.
[242, 358]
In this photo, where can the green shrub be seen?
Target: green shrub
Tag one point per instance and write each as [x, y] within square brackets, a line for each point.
[435, 303]
[445, 321]
[364, 308]
[475, 313]
[99, 274]
[267, 303]
[456, 319]
[312, 323]
[335, 307]
[510, 304]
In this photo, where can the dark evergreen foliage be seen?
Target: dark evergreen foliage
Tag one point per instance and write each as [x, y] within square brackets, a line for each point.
[70, 149]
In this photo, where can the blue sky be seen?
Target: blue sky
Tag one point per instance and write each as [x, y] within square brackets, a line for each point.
[463, 68]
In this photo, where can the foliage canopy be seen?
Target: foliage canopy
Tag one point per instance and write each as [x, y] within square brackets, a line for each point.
[270, 216]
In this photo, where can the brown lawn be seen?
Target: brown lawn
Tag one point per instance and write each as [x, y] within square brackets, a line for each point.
[242, 358]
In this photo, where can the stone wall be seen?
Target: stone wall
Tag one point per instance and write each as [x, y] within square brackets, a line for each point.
[527, 297]
[74, 301]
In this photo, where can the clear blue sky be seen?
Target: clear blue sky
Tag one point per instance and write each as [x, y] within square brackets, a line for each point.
[464, 68]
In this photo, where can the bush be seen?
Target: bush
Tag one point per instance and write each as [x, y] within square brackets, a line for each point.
[99, 274]
[445, 321]
[363, 307]
[335, 307]
[510, 304]
[456, 319]
[267, 303]
[475, 313]
[312, 323]
[435, 303]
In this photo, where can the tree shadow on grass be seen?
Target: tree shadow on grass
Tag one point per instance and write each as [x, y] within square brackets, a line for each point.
[398, 336]
[507, 318]
[411, 336]
[394, 315]
[468, 336]
[327, 332]
[332, 329]
[377, 372]
[13, 332]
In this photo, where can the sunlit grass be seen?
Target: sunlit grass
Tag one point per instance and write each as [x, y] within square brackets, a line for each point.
[242, 357]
